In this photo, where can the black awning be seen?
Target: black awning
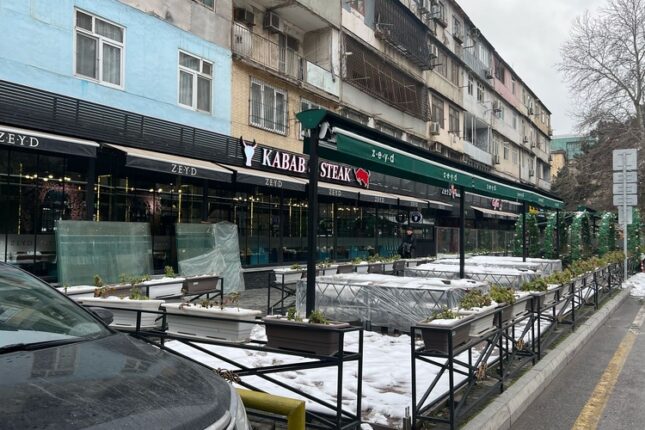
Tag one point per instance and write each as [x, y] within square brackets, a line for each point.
[373, 196]
[173, 164]
[263, 178]
[14, 137]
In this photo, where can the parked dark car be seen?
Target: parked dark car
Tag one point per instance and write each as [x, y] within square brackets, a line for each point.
[61, 367]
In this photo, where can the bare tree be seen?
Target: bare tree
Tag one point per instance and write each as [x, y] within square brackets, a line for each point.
[604, 64]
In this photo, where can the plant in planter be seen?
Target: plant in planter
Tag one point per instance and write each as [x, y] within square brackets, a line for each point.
[442, 326]
[325, 267]
[361, 265]
[315, 335]
[515, 302]
[221, 322]
[169, 272]
[540, 288]
[98, 282]
[481, 307]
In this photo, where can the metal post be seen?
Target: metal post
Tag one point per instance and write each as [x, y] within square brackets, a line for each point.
[89, 189]
[462, 238]
[625, 212]
[312, 221]
[557, 232]
[524, 250]
[205, 200]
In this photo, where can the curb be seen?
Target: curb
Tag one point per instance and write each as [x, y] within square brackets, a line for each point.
[502, 412]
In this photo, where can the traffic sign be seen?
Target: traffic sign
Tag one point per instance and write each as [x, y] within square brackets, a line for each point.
[629, 188]
[625, 159]
[631, 199]
[629, 177]
[621, 215]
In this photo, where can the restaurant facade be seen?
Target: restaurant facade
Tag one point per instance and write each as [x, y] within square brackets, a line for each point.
[75, 160]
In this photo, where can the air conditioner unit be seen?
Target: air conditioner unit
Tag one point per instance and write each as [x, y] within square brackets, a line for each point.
[550, 158]
[497, 106]
[496, 159]
[459, 36]
[531, 173]
[434, 51]
[244, 16]
[488, 73]
[434, 128]
[272, 22]
[530, 110]
[525, 139]
[533, 145]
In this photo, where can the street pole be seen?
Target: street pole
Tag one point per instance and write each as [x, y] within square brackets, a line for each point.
[625, 212]
[462, 236]
[312, 224]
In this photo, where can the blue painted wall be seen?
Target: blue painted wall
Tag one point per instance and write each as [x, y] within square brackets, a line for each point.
[37, 50]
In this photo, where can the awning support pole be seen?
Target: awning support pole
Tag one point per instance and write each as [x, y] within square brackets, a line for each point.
[90, 194]
[557, 233]
[524, 250]
[312, 220]
[462, 236]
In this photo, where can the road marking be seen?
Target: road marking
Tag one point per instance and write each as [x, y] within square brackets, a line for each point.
[592, 411]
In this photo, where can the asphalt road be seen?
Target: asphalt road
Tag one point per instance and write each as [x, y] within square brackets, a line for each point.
[561, 404]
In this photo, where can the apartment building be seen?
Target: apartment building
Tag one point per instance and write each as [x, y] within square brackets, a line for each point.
[183, 111]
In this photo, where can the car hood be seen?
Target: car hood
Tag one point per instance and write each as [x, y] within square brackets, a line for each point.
[113, 382]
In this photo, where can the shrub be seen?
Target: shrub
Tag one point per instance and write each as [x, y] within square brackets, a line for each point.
[474, 299]
[502, 294]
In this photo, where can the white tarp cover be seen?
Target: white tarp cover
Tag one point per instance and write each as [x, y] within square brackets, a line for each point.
[382, 300]
[222, 257]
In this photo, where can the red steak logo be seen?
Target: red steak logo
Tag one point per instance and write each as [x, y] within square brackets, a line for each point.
[362, 177]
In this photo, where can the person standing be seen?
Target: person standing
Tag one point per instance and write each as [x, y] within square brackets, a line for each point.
[408, 244]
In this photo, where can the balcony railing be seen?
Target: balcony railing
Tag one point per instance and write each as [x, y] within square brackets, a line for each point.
[477, 153]
[266, 53]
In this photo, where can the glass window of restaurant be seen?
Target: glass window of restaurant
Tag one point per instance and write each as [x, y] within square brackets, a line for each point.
[36, 190]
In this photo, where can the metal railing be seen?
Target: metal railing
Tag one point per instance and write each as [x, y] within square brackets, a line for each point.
[265, 52]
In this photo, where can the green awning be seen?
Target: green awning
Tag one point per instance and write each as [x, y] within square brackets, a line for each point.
[350, 147]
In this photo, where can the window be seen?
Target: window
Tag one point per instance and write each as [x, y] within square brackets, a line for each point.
[99, 49]
[471, 84]
[355, 116]
[499, 112]
[208, 3]
[453, 120]
[437, 111]
[514, 121]
[456, 27]
[506, 151]
[388, 129]
[416, 141]
[306, 105]
[454, 72]
[268, 107]
[500, 71]
[516, 156]
[195, 77]
[480, 92]
[439, 11]
[357, 5]
[442, 64]
[513, 84]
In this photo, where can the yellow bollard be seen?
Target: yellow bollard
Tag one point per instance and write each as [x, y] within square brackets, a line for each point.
[293, 409]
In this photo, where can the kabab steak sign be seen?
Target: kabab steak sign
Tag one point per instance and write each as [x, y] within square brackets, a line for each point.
[298, 164]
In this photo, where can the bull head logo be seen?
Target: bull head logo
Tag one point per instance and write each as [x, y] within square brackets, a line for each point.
[249, 151]
[362, 177]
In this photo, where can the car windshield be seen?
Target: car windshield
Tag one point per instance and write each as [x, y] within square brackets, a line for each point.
[32, 312]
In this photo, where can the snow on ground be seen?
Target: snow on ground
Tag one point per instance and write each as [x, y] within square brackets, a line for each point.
[637, 283]
[387, 380]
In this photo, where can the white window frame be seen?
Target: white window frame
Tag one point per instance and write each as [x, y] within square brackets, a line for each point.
[195, 75]
[311, 105]
[100, 41]
[481, 93]
[286, 108]
[471, 85]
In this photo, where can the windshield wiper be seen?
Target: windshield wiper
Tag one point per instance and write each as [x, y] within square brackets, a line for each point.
[37, 345]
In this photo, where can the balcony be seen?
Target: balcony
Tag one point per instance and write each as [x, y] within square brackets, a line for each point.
[478, 154]
[265, 53]
[544, 184]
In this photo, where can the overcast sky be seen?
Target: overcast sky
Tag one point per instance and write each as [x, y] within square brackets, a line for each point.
[528, 34]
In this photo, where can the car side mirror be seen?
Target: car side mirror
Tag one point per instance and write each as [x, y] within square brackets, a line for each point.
[103, 314]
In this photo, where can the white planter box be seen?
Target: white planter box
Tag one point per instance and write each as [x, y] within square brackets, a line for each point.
[288, 276]
[388, 267]
[361, 268]
[522, 301]
[126, 318]
[159, 288]
[78, 292]
[180, 322]
[483, 319]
